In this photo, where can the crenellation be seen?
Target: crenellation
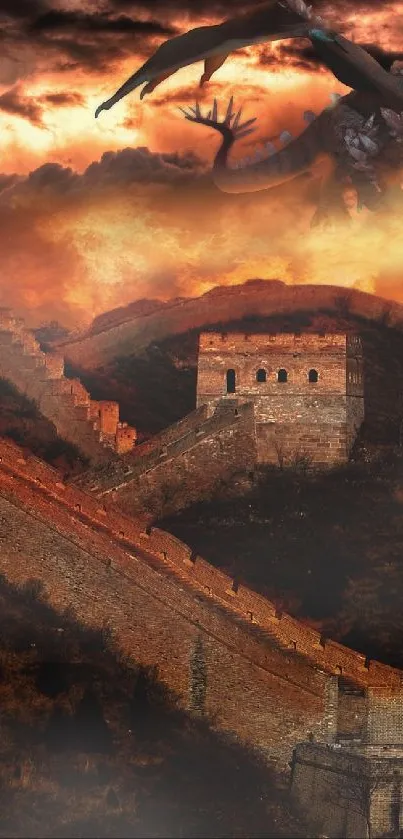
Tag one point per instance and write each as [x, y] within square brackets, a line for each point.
[64, 401]
[125, 438]
[288, 631]
[156, 596]
[307, 391]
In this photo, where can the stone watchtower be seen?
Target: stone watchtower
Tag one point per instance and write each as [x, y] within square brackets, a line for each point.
[307, 390]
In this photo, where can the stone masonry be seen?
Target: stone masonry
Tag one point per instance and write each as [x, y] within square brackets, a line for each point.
[268, 679]
[92, 426]
[246, 415]
[307, 390]
[350, 791]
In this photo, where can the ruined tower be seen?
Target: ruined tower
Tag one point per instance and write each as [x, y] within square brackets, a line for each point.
[307, 390]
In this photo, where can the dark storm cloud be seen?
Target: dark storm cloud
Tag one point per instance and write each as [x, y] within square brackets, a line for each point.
[130, 166]
[7, 181]
[61, 100]
[93, 40]
[57, 20]
[12, 102]
[22, 8]
[304, 56]
[114, 170]
[15, 103]
[111, 31]
[223, 9]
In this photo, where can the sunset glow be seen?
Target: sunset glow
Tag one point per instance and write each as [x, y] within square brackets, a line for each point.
[94, 226]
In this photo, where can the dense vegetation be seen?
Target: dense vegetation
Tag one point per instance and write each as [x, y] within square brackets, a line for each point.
[90, 747]
[326, 547]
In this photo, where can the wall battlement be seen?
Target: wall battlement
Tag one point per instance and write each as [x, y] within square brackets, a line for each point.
[92, 426]
[202, 453]
[255, 343]
[253, 610]
[180, 438]
[307, 390]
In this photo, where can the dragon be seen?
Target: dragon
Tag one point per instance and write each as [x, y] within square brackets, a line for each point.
[360, 136]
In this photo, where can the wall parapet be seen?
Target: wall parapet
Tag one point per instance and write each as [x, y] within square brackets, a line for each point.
[251, 608]
[230, 342]
[102, 480]
[92, 426]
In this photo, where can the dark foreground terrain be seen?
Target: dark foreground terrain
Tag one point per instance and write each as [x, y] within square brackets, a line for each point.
[90, 747]
[328, 548]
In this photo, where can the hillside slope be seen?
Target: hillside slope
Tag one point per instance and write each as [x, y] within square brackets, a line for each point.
[92, 748]
[327, 548]
[156, 387]
[255, 298]
[22, 422]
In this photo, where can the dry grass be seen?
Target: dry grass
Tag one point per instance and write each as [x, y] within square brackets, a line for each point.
[91, 748]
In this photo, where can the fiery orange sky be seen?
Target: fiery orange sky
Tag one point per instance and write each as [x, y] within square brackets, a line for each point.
[96, 213]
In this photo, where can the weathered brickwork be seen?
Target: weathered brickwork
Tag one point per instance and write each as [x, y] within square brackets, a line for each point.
[231, 433]
[190, 423]
[44, 483]
[351, 792]
[191, 459]
[158, 612]
[352, 712]
[307, 390]
[225, 650]
[92, 426]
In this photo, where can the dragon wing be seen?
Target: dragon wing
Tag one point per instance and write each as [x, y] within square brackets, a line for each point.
[353, 66]
[268, 22]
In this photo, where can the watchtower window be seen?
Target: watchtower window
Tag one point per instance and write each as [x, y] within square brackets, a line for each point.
[313, 376]
[231, 381]
[282, 375]
[261, 375]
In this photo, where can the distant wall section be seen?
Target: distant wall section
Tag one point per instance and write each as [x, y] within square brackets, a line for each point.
[92, 426]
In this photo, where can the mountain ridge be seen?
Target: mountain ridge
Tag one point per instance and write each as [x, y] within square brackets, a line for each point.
[255, 298]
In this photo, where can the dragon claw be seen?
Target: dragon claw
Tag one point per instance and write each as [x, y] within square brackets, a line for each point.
[231, 120]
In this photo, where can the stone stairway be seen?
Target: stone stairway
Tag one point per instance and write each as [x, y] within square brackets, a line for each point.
[92, 426]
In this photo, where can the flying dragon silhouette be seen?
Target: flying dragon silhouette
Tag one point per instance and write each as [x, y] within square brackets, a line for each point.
[361, 134]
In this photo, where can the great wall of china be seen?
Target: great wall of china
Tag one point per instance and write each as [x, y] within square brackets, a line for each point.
[183, 464]
[253, 299]
[260, 675]
[109, 563]
[92, 426]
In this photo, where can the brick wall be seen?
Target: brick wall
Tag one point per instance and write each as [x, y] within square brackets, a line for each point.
[316, 419]
[385, 716]
[258, 692]
[28, 476]
[340, 790]
[284, 444]
[185, 470]
[92, 426]
[297, 354]
[352, 713]
[191, 422]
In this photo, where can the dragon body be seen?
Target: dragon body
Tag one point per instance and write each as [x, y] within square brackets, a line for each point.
[360, 137]
[361, 140]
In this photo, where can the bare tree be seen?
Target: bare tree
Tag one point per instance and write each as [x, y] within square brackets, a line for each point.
[279, 449]
[301, 461]
[352, 791]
